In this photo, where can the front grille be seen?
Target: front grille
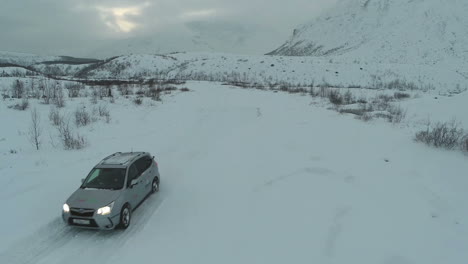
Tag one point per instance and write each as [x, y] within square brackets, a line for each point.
[92, 223]
[82, 212]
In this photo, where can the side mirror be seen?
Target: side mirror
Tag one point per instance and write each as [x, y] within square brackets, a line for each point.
[82, 180]
[133, 183]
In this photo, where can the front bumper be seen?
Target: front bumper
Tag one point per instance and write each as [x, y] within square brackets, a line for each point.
[92, 222]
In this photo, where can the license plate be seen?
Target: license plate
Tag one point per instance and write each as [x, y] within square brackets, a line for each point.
[81, 222]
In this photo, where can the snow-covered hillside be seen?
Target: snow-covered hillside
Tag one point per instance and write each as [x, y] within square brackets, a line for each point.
[24, 59]
[267, 70]
[248, 176]
[389, 31]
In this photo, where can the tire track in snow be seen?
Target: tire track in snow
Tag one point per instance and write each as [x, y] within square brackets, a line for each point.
[50, 237]
[56, 236]
[334, 232]
[101, 246]
[300, 172]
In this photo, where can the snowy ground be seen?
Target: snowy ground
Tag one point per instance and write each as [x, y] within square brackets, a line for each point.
[247, 177]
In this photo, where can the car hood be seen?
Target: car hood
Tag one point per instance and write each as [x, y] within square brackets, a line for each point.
[92, 198]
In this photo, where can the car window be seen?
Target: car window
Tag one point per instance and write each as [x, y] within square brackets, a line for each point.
[93, 175]
[132, 174]
[105, 178]
[143, 164]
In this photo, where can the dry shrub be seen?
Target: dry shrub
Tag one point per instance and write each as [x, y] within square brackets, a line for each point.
[441, 135]
[82, 117]
[54, 116]
[70, 139]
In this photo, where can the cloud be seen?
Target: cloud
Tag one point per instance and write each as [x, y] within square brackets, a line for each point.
[197, 14]
[77, 26]
[119, 18]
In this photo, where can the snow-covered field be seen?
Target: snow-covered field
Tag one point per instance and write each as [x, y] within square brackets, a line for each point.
[248, 176]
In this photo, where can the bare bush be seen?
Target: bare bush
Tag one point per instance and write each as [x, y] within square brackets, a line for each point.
[184, 89]
[154, 93]
[400, 95]
[397, 84]
[441, 135]
[348, 98]
[365, 117]
[70, 139]
[381, 102]
[354, 111]
[397, 114]
[35, 130]
[103, 91]
[123, 89]
[102, 111]
[140, 92]
[74, 89]
[385, 98]
[33, 89]
[335, 97]
[312, 92]
[464, 143]
[323, 92]
[82, 117]
[23, 105]
[17, 89]
[47, 92]
[362, 100]
[54, 116]
[59, 98]
[138, 101]
[94, 95]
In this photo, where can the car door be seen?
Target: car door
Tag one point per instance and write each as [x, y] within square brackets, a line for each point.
[143, 164]
[134, 191]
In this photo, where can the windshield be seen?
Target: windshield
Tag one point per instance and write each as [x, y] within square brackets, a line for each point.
[105, 179]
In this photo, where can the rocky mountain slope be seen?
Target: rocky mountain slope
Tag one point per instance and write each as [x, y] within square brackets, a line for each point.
[393, 31]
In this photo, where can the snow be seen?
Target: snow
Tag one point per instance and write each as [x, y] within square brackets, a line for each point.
[248, 176]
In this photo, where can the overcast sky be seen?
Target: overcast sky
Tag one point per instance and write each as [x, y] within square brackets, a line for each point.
[88, 27]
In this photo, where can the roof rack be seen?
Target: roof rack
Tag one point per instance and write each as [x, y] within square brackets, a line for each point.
[112, 155]
[122, 160]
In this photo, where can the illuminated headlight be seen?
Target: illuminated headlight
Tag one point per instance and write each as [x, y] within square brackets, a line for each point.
[66, 208]
[105, 210]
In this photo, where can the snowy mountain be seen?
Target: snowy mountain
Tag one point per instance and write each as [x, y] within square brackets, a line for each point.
[26, 59]
[395, 31]
[23, 59]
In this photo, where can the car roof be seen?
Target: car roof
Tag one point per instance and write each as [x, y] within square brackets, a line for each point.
[121, 159]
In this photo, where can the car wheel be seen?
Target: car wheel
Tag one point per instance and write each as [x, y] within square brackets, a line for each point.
[125, 217]
[155, 185]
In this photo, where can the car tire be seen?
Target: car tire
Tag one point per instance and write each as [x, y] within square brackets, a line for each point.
[125, 217]
[155, 185]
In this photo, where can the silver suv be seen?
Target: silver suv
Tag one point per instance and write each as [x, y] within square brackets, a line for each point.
[112, 190]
